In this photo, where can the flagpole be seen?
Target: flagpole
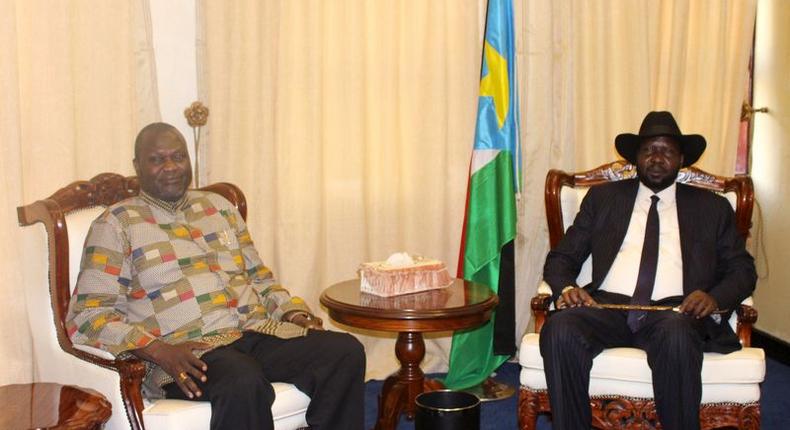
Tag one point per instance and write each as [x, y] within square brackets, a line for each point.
[489, 389]
[462, 248]
[483, 45]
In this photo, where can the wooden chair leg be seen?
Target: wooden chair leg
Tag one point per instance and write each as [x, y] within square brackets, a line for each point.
[730, 415]
[132, 372]
[749, 418]
[528, 405]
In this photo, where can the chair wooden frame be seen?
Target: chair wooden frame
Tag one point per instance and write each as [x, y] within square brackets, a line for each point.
[612, 412]
[103, 190]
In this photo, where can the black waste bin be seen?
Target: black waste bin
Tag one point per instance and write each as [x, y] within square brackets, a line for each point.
[447, 410]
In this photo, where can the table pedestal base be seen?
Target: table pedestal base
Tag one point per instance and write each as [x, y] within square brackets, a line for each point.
[491, 390]
[462, 305]
[401, 388]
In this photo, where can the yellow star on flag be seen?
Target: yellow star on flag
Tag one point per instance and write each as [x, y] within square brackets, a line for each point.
[495, 84]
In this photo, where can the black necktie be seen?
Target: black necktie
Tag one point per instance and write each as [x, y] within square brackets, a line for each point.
[647, 268]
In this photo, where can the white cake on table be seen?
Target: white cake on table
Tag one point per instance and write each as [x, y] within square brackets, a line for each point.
[402, 273]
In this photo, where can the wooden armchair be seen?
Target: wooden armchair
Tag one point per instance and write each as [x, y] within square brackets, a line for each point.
[621, 393]
[67, 215]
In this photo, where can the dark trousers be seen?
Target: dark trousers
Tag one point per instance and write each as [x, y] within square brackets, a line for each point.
[327, 366]
[673, 342]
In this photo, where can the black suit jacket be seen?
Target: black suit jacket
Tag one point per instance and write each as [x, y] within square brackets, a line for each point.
[714, 256]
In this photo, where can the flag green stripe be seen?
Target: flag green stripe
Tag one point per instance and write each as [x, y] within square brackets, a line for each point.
[491, 223]
[491, 217]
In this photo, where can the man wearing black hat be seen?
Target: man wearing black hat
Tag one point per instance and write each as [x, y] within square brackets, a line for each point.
[653, 242]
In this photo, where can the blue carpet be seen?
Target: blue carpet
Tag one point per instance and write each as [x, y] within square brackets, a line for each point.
[775, 402]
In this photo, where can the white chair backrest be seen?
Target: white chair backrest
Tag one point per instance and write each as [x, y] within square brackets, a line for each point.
[51, 363]
[79, 222]
[571, 201]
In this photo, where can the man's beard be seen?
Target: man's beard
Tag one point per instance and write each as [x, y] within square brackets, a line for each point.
[659, 185]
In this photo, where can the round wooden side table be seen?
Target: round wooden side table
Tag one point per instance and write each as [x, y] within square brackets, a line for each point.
[462, 305]
[52, 406]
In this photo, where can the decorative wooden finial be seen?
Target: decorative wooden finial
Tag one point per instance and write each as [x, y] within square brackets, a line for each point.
[197, 116]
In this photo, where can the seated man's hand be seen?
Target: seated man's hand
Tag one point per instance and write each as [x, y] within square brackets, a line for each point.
[698, 304]
[575, 297]
[311, 321]
[179, 362]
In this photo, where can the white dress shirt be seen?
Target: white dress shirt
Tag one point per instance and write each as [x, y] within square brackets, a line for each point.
[625, 269]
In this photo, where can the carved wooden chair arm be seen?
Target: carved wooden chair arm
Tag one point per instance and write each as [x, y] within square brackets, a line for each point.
[132, 371]
[747, 316]
[540, 309]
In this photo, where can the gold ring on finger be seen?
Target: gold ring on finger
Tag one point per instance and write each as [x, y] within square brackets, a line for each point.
[183, 376]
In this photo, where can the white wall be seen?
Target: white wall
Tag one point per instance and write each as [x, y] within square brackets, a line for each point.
[173, 26]
[770, 163]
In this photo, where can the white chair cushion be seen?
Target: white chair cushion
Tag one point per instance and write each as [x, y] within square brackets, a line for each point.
[733, 377]
[288, 410]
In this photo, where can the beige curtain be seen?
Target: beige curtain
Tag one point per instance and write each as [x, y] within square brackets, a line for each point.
[687, 56]
[77, 80]
[349, 125]
[590, 70]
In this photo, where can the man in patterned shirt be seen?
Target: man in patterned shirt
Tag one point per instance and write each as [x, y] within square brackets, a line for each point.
[172, 277]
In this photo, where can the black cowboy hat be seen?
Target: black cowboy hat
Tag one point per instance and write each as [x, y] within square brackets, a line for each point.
[660, 124]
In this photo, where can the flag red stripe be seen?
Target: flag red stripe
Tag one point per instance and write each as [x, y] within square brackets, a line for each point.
[462, 251]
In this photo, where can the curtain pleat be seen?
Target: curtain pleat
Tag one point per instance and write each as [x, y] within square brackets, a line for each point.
[349, 125]
[77, 81]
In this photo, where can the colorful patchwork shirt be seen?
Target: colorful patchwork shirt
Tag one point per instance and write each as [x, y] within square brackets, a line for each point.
[175, 271]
